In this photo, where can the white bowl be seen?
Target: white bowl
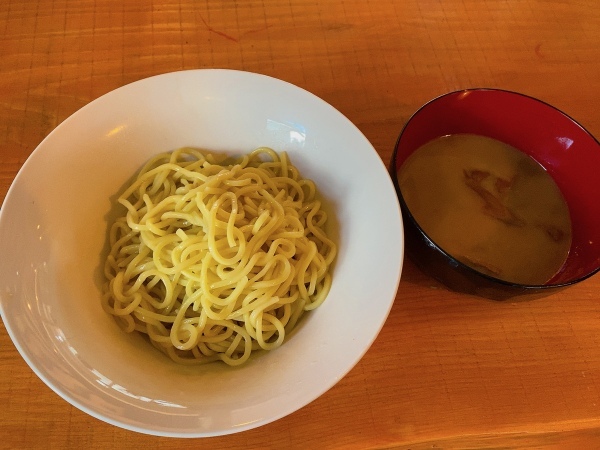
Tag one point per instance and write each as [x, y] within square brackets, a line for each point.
[52, 234]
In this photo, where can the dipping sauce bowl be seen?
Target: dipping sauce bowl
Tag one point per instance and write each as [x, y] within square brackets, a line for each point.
[568, 153]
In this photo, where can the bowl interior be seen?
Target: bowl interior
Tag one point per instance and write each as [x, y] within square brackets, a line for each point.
[52, 236]
[562, 146]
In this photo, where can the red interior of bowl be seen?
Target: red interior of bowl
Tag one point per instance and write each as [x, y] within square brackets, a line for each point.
[564, 148]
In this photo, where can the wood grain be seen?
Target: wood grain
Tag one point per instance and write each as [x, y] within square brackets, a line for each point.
[447, 370]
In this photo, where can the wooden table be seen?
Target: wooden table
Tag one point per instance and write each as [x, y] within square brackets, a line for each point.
[447, 370]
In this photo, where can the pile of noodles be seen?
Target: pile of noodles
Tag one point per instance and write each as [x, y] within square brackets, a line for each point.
[215, 259]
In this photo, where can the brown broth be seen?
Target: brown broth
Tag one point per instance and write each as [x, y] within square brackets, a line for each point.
[488, 205]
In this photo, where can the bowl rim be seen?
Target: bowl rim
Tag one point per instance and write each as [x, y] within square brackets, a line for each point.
[455, 262]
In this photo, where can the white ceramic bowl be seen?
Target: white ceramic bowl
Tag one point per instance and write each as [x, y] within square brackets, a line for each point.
[52, 233]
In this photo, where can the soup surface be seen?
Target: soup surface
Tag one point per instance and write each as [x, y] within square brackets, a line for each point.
[488, 205]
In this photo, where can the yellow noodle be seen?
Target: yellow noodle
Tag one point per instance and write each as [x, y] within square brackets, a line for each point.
[214, 257]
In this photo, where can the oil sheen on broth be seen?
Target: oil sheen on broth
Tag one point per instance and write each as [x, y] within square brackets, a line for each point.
[488, 205]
